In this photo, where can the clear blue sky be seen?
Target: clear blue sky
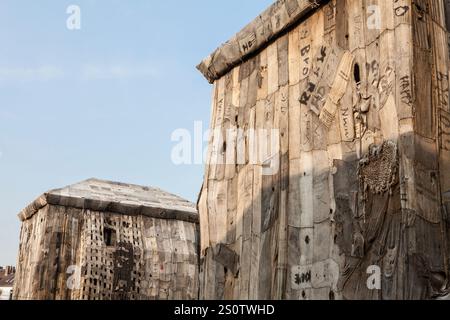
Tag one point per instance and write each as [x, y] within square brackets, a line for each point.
[102, 101]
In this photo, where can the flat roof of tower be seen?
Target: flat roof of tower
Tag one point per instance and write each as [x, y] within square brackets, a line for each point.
[115, 197]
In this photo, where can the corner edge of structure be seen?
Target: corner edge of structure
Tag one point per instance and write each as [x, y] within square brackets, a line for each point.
[33, 208]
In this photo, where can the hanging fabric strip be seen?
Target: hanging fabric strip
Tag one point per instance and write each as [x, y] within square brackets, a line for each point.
[328, 113]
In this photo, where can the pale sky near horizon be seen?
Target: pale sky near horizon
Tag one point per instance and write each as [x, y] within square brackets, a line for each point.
[104, 100]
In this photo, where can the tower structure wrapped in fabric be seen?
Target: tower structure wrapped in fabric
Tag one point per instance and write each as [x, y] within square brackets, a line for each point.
[351, 200]
[102, 240]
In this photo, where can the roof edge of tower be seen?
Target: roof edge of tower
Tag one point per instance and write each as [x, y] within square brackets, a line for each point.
[268, 26]
[57, 197]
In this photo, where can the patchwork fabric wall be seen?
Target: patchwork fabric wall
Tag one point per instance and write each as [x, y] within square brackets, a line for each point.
[71, 254]
[348, 200]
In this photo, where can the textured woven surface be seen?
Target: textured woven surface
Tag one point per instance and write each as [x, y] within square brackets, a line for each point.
[379, 168]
